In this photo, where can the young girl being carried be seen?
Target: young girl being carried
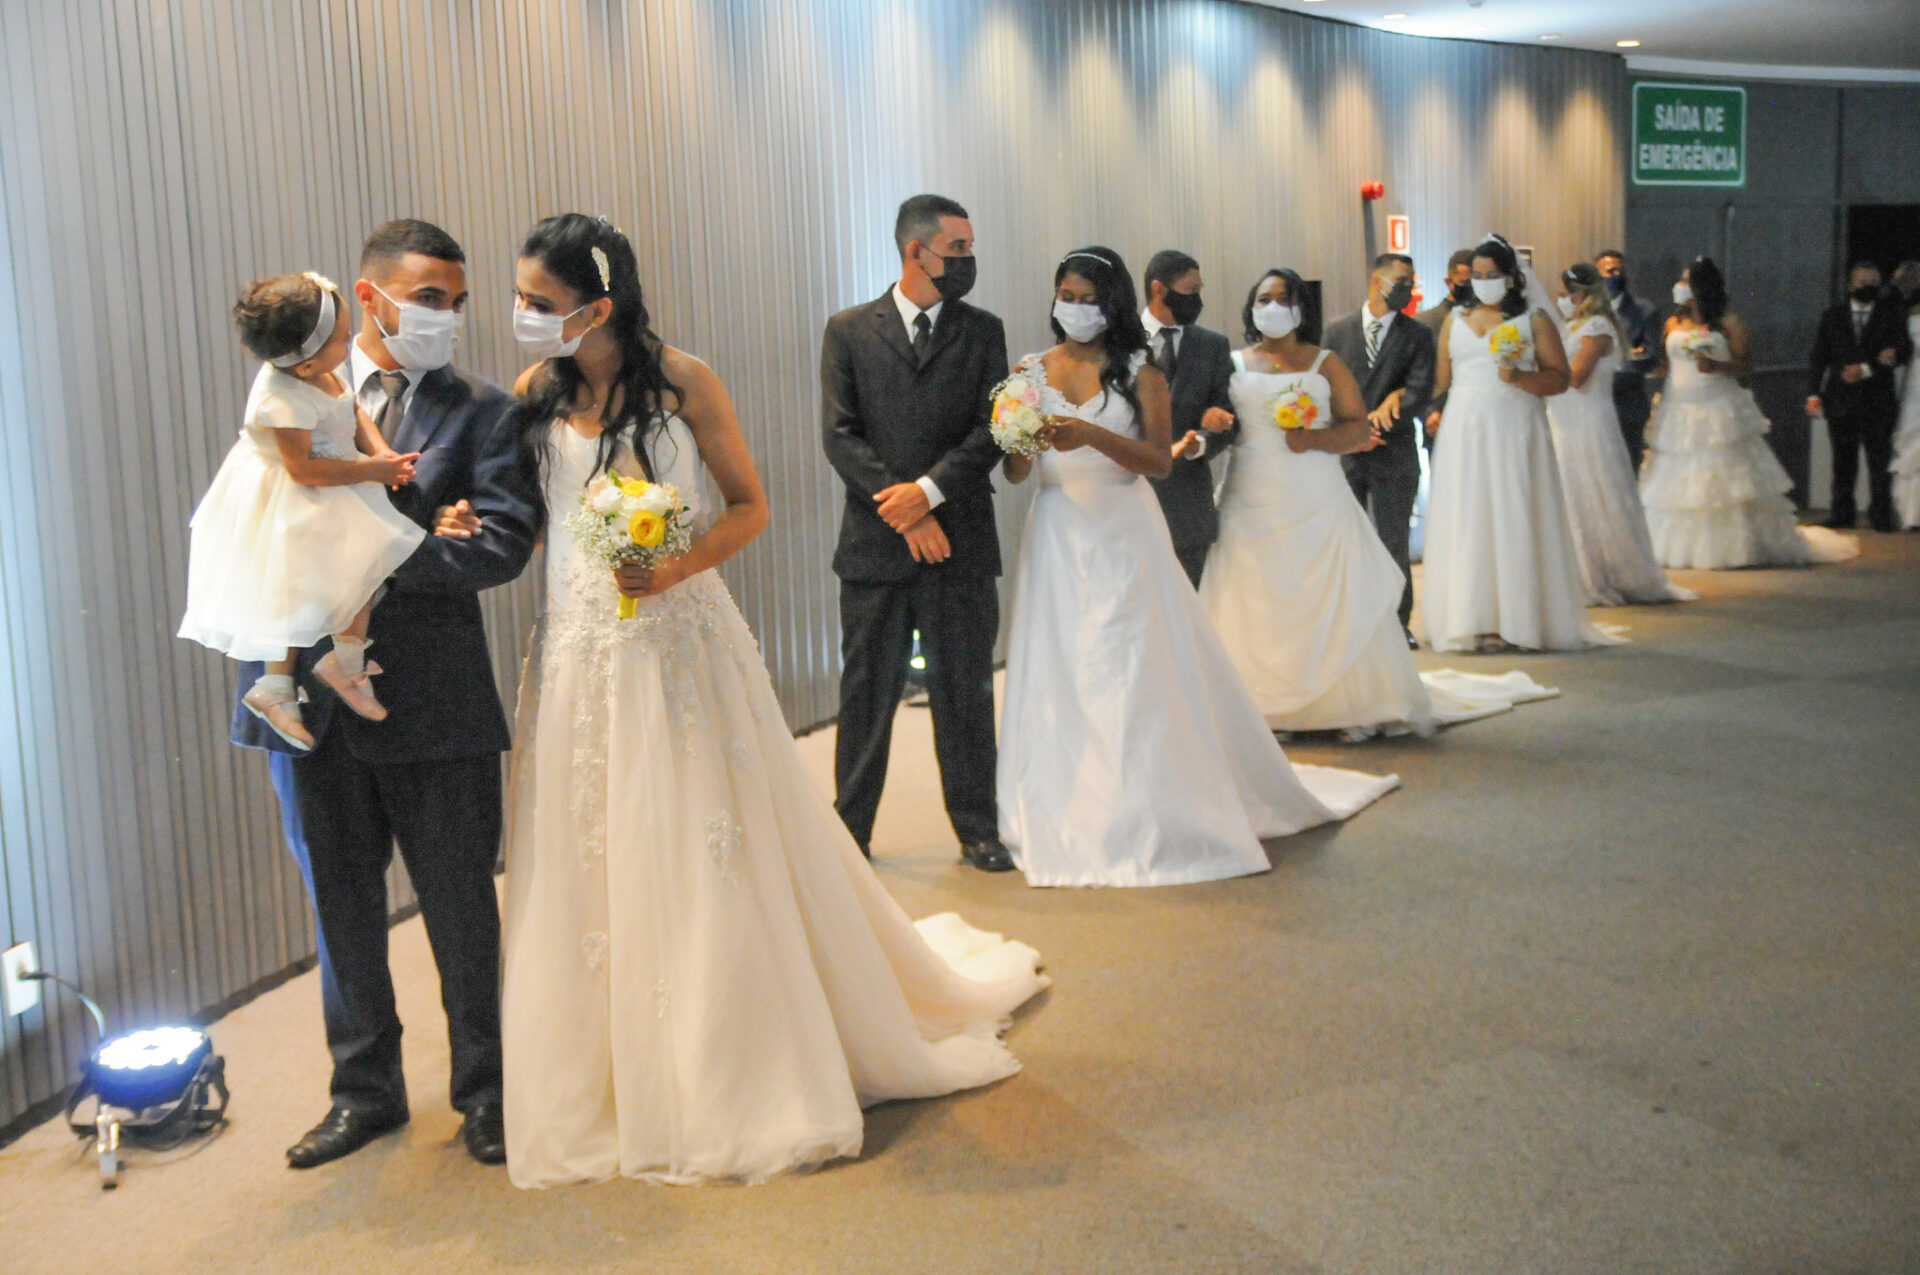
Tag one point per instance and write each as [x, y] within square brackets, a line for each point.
[295, 535]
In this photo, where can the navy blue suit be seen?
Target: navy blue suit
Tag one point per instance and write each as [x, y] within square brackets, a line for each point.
[1640, 324]
[428, 777]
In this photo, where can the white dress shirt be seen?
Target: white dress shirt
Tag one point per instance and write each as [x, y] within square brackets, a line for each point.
[1164, 339]
[1862, 315]
[908, 313]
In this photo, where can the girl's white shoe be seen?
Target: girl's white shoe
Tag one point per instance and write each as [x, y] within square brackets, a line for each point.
[346, 669]
[273, 700]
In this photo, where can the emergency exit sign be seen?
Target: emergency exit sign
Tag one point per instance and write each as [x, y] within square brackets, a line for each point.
[1689, 135]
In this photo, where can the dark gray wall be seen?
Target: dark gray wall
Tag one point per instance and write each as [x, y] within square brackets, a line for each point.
[1812, 150]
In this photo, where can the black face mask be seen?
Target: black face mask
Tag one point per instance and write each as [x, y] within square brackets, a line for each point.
[957, 280]
[1865, 293]
[1397, 296]
[1617, 284]
[1461, 294]
[1184, 306]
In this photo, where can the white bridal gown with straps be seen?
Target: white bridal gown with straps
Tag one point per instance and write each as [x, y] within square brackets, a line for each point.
[1499, 554]
[1131, 753]
[704, 979]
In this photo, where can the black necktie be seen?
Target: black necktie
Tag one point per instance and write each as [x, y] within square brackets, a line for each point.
[1169, 352]
[922, 337]
[393, 385]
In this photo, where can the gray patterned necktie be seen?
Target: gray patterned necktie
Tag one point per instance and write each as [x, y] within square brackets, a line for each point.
[394, 386]
[1373, 341]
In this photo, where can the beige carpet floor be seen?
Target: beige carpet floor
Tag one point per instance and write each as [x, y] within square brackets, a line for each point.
[1626, 981]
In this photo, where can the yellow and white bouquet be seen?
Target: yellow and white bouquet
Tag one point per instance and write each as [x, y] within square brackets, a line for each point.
[630, 520]
[1510, 346]
[1698, 343]
[1016, 411]
[1295, 409]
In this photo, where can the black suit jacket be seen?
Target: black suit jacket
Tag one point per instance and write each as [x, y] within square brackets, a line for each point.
[1405, 363]
[1835, 346]
[1202, 372]
[427, 632]
[885, 419]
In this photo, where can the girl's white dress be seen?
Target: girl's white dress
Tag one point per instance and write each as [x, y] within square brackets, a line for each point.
[1610, 537]
[1131, 753]
[1499, 553]
[275, 566]
[704, 978]
[1906, 440]
[1715, 494]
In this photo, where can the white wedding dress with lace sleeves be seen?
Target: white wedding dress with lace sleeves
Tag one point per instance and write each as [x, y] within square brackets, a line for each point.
[1131, 753]
[704, 978]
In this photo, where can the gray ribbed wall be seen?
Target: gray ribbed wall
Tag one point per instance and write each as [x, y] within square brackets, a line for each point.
[154, 156]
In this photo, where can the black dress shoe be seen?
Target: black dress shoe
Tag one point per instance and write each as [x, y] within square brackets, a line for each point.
[1841, 522]
[1413, 643]
[988, 856]
[343, 1132]
[866, 851]
[485, 1134]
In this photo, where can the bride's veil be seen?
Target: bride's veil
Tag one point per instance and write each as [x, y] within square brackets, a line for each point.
[1537, 295]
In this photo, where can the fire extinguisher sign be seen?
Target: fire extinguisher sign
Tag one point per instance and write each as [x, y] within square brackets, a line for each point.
[1399, 233]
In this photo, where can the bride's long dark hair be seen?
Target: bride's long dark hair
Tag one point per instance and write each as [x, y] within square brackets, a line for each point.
[1113, 293]
[641, 397]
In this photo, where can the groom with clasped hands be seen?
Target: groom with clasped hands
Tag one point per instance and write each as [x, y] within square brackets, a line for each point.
[905, 384]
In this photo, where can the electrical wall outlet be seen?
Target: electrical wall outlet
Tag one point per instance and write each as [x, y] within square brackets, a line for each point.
[22, 994]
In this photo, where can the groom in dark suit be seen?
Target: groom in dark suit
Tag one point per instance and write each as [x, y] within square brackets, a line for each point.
[428, 776]
[1391, 355]
[1199, 367]
[904, 395]
[1859, 344]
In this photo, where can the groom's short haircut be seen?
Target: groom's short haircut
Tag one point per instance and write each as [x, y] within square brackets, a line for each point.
[396, 239]
[920, 219]
[1166, 265]
[1464, 257]
[1386, 259]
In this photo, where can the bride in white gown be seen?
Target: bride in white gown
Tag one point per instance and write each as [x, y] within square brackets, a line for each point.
[704, 978]
[1906, 435]
[1302, 592]
[1716, 495]
[1499, 567]
[1610, 535]
[1130, 751]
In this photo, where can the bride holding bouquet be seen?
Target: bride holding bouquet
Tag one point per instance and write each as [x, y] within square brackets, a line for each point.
[1500, 568]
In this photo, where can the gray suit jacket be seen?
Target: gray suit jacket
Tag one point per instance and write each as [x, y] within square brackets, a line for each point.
[1405, 363]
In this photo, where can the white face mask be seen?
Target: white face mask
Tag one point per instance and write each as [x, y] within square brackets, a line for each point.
[426, 337]
[1490, 291]
[1276, 318]
[1566, 307]
[540, 336]
[1682, 294]
[1081, 323]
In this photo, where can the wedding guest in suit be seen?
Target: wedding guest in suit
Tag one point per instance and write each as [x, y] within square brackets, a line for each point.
[1860, 342]
[1639, 324]
[1198, 363]
[427, 777]
[1459, 293]
[905, 386]
[1391, 356]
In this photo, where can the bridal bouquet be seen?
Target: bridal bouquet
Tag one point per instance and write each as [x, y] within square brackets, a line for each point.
[630, 520]
[1697, 344]
[1509, 345]
[1294, 409]
[1016, 411]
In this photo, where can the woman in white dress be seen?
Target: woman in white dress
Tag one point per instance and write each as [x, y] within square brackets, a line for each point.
[1610, 538]
[704, 978]
[1715, 494]
[1499, 566]
[1303, 594]
[1906, 437]
[1130, 751]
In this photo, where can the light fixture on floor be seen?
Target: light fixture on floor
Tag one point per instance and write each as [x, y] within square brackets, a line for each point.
[158, 1087]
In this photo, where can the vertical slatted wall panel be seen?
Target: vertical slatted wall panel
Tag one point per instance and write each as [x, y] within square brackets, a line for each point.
[157, 154]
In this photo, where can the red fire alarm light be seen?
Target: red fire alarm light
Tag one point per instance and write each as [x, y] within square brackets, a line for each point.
[1373, 190]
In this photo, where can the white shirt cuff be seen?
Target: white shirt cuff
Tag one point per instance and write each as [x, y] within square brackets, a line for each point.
[934, 495]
